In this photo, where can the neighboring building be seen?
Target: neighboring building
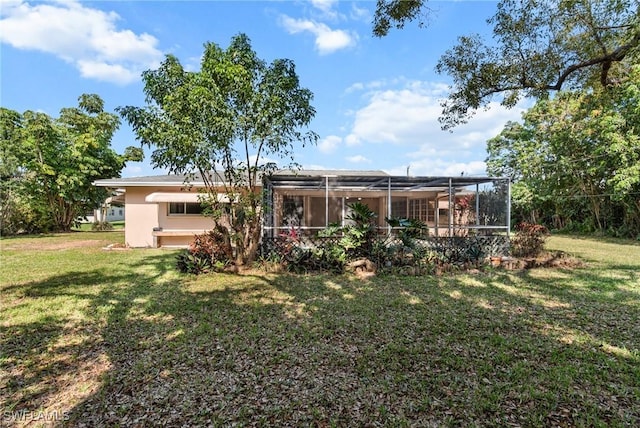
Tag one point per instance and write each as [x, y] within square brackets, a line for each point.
[111, 210]
[165, 211]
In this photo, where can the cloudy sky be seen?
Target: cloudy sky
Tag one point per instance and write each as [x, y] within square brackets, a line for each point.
[377, 100]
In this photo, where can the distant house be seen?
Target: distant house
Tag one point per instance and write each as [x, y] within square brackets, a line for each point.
[111, 210]
[165, 211]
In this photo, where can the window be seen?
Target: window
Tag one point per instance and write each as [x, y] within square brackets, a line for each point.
[292, 210]
[418, 209]
[443, 213]
[399, 207]
[188, 208]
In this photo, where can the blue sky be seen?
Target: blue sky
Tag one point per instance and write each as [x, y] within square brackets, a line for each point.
[377, 100]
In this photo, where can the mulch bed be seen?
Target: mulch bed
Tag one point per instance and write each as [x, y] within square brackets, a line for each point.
[555, 259]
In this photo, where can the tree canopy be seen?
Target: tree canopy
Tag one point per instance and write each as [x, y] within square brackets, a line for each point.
[537, 47]
[222, 122]
[49, 164]
[575, 159]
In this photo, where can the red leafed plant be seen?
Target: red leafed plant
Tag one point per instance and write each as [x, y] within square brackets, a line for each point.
[528, 240]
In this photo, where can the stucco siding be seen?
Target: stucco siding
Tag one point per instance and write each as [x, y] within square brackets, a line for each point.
[181, 221]
[142, 217]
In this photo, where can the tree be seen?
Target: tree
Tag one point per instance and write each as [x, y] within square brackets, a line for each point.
[576, 159]
[537, 47]
[15, 212]
[221, 122]
[57, 160]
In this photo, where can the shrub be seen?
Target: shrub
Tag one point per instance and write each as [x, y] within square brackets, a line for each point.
[210, 251]
[187, 262]
[528, 240]
[213, 245]
[101, 226]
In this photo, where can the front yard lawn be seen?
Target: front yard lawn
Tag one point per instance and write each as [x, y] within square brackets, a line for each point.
[90, 337]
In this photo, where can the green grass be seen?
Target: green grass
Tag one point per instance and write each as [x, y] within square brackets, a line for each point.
[86, 227]
[106, 338]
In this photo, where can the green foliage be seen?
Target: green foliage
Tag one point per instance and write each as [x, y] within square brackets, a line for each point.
[404, 252]
[536, 47]
[359, 234]
[101, 226]
[295, 256]
[220, 122]
[541, 348]
[575, 159]
[528, 240]
[49, 165]
[397, 13]
[188, 262]
[409, 230]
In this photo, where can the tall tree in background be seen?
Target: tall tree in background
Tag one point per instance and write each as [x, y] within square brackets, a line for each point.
[221, 122]
[15, 211]
[54, 162]
[537, 47]
[575, 160]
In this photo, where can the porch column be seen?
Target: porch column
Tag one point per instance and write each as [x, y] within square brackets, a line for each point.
[326, 201]
[389, 205]
[477, 206]
[437, 215]
[451, 199]
[508, 207]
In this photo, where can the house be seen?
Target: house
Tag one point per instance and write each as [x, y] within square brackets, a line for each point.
[112, 209]
[165, 210]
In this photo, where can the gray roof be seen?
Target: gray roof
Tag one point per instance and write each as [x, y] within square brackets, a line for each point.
[330, 173]
[358, 180]
[195, 179]
[169, 180]
[368, 179]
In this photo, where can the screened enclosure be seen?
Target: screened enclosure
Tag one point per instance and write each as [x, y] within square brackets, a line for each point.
[307, 202]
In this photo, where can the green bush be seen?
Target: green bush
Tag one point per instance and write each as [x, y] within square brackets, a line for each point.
[101, 226]
[188, 262]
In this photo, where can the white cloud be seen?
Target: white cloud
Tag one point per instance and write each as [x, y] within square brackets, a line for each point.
[86, 37]
[404, 114]
[360, 14]
[358, 159]
[374, 84]
[106, 72]
[409, 116]
[440, 167]
[324, 5]
[352, 140]
[329, 144]
[327, 40]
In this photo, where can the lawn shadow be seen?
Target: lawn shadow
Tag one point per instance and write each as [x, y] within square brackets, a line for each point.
[285, 349]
